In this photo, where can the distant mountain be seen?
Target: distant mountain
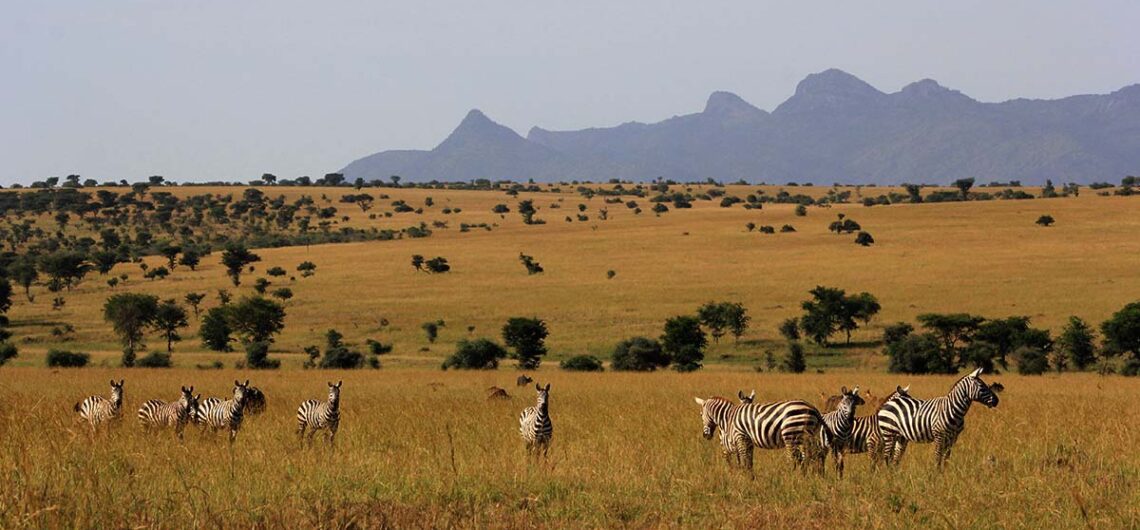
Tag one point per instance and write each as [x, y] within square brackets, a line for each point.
[835, 128]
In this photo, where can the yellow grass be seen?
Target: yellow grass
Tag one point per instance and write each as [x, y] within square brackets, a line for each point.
[425, 449]
[981, 257]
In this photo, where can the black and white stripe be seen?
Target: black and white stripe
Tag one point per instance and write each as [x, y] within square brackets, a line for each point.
[229, 414]
[838, 426]
[203, 409]
[715, 414]
[535, 426]
[98, 410]
[159, 414]
[783, 424]
[865, 430]
[939, 420]
[318, 415]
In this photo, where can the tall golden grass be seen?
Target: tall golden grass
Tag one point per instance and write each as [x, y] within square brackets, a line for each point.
[427, 449]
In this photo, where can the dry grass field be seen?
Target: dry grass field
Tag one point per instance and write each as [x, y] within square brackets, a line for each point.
[981, 257]
[420, 447]
[426, 449]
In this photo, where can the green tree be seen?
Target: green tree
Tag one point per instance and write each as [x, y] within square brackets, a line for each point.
[478, 354]
[215, 329]
[1122, 332]
[527, 336]
[130, 314]
[953, 332]
[684, 342]
[795, 361]
[790, 328]
[195, 300]
[431, 329]
[964, 186]
[1046, 220]
[64, 268]
[168, 319]
[1077, 343]
[256, 319]
[639, 354]
[235, 257]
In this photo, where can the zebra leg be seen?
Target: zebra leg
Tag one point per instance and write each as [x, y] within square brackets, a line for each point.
[795, 453]
[301, 434]
[900, 450]
[941, 449]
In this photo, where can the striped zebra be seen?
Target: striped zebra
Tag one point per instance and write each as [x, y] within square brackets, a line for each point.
[782, 424]
[254, 401]
[228, 414]
[203, 410]
[865, 431]
[159, 414]
[939, 420]
[535, 426]
[838, 426]
[98, 410]
[715, 413]
[317, 415]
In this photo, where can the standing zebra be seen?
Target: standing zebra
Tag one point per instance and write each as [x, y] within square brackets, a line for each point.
[98, 410]
[535, 426]
[838, 425]
[228, 414]
[939, 420]
[865, 431]
[157, 413]
[318, 415]
[716, 413]
[790, 424]
[203, 410]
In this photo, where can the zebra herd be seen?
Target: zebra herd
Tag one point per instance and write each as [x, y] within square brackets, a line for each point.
[211, 413]
[809, 435]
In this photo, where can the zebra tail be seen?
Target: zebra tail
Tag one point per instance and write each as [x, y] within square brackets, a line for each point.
[77, 405]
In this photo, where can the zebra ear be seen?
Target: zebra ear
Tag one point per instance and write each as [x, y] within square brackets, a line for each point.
[537, 387]
[338, 383]
[548, 387]
[246, 383]
[237, 383]
[844, 390]
[977, 372]
[855, 391]
[699, 401]
[752, 395]
[740, 394]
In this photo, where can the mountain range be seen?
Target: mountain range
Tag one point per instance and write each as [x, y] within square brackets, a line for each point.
[835, 128]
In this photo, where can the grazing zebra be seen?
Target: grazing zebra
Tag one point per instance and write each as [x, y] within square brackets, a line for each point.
[228, 414]
[98, 410]
[318, 415]
[254, 401]
[715, 414]
[838, 424]
[939, 420]
[535, 426]
[523, 380]
[790, 424]
[157, 413]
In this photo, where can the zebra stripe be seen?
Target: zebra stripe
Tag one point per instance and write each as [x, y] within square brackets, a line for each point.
[318, 415]
[939, 420]
[204, 406]
[228, 414]
[98, 410]
[160, 414]
[715, 414]
[535, 426]
[783, 424]
[838, 425]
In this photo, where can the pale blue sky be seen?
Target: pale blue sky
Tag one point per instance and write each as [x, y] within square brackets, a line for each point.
[229, 89]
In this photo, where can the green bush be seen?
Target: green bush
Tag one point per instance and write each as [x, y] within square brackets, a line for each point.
[639, 354]
[156, 359]
[917, 354]
[795, 362]
[1031, 361]
[582, 363]
[67, 359]
[7, 351]
[478, 354]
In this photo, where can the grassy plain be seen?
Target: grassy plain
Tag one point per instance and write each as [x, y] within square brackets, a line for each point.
[424, 448]
[980, 257]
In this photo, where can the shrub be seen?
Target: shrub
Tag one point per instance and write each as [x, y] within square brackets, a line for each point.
[276, 271]
[1031, 361]
[67, 359]
[8, 351]
[684, 342]
[156, 359]
[896, 332]
[639, 354]
[527, 336]
[582, 363]
[864, 239]
[795, 361]
[917, 354]
[257, 356]
[1045, 220]
[478, 354]
[801, 210]
[790, 329]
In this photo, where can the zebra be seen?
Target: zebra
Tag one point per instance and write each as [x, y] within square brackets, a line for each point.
[318, 415]
[203, 410]
[715, 413]
[98, 410]
[254, 401]
[228, 414]
[535, 426]
[838, 425]
[865, 430]
[939, 420]
[159, 414]
[790, 424]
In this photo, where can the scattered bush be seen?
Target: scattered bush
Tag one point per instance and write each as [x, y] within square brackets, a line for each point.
[156, 359]
[1045, 220]
[8, 351]
[684, 342]
[527, 336]
[639, 354]
[478, 354]
[67, 359]
[582, 363]
[1031, 361]
[795, 362]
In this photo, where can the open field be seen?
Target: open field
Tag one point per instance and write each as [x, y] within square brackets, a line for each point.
[982, 257]
[425, 449]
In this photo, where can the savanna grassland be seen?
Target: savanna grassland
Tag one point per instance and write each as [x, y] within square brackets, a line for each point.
[420, 447]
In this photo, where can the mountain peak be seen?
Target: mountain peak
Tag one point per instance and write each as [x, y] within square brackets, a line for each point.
[476, 127]
[929, 89]
[830, 89]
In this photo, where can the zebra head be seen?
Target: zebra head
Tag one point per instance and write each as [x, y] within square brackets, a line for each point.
[240, 390]
[187, 398]
[117, 392]
[708, 419]
[334, 392]
[850, 399]
[978, 390]
[543, 395]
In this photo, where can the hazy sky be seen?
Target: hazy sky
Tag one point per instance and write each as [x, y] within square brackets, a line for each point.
[230, 89]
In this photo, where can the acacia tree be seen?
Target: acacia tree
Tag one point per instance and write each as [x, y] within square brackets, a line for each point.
[235, 257]
[168, 319]
[964, 186]
[684, 342]
[1077, 343]
[831, 310]
[527, 336]
[130, 314]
